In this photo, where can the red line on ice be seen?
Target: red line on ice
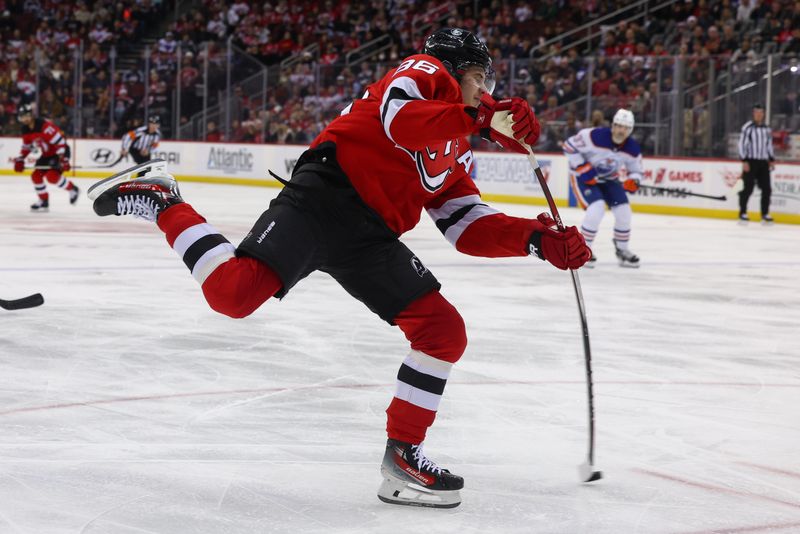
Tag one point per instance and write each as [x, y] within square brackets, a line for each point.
[753, 528]
[262, 391]
[718, 489]
[788, 473]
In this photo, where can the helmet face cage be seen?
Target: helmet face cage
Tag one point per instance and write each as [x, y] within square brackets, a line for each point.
[154, 119]
[458, 50]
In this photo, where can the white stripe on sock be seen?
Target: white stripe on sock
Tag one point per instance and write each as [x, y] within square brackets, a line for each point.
[419, 361]
[417, 397]
[190, 235]
[211, 260]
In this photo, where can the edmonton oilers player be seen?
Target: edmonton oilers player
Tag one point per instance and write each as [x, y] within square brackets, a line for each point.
[398, 150]
[595, 157]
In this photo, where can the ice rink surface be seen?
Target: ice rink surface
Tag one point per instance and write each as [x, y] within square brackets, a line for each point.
[127, 406]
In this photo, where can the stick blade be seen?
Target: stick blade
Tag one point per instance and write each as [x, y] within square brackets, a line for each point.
[23, 303]
[587, 472]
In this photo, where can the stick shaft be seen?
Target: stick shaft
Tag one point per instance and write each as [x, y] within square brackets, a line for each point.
[576, 284]
[678, 191]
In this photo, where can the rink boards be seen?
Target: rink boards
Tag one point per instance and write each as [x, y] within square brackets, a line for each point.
[501, 177]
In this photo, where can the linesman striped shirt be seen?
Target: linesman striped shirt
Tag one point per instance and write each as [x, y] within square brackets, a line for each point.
[755, 142]
[141, 139]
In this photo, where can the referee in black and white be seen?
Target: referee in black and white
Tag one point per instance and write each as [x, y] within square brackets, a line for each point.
[758, 159]
[139, 143]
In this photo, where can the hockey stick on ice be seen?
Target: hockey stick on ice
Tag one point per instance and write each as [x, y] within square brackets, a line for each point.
[681, 192]
[25, 302]
[586, 470]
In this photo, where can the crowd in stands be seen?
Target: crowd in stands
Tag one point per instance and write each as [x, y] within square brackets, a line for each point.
[630, 64]
[41, 41]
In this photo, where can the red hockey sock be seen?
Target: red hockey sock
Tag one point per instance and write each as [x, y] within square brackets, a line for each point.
[240, 286]
[438, 339]
[37, 177]
[176, 219]
[54, 177]
[232, 286]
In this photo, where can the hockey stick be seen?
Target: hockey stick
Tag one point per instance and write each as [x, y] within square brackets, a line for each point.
[586, 470]
[682, 192]
[25, 302]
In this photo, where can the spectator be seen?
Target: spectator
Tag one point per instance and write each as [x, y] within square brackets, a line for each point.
[744, 11]
[573, 125]
[793, 45]
[744, 52]
[601, 86]
[696, 125]
[789, 106]
[212, 134]
[598, 119]
[167, 44]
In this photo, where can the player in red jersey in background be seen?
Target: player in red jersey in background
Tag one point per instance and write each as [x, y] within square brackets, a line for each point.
[401, 148]
[41, 134]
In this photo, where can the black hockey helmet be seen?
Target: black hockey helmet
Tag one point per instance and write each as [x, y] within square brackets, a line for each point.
[24, 109]
[154, 119]
[459, 49]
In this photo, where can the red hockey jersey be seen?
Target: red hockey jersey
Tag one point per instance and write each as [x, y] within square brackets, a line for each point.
[404, 147]
[45, 136]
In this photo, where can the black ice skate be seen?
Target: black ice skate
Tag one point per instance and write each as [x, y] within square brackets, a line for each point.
[40, 206]
[145, 197]
[743, 219]
[767, 220]
[410, 478]
[74, 193]
[626, 257]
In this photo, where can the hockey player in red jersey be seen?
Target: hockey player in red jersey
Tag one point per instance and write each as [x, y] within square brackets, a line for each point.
[400, 149]
[41, 134]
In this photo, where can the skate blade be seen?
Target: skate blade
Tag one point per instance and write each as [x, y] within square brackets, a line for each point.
[397, 492]
[124, 176]
[629, 265]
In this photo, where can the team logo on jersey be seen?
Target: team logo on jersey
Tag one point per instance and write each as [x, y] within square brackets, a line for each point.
[417, 265]
[435, 163]
[606, 166]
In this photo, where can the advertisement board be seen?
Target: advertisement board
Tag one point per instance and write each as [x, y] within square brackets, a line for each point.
[500, 176]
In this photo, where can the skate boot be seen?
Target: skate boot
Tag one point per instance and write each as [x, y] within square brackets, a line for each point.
[40, 206]
[743, 219]
[410, 478]
[767, 220]
[626, 257]
[146, 197]
[74, 193]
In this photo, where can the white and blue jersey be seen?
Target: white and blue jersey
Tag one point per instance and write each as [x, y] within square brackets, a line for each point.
[595, 163]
